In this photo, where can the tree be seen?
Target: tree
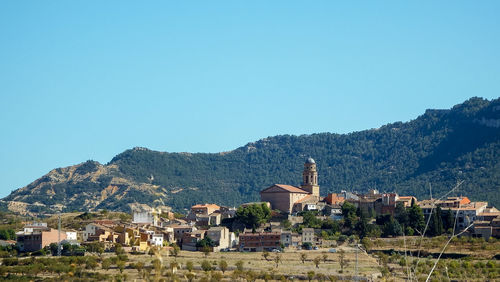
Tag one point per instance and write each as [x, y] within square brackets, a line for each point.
[307, 245]
[119, 249]
[106, 264]
[175, 250]
[310, 220]
[216, 276]
[401, 214]
[206, 242]
[189, 266]
[157, 265]
[287, 224]
[349, 214]
[223, 266]
[206, 250]
[277, 259]
[265, 255]
[416, 218]
[310, 275]
[316, 261]
[331, 225]
[448, 220]
[303, 257]
[435, 223]
[250, 276]
[239, 265]
[362, 225]
[367, 243]
[94, 247]
[392, 228]
[206, 266]
[91, 263]
[121, 265]
[7, 234]
[253, 215]
[325, 258]
[139, 266]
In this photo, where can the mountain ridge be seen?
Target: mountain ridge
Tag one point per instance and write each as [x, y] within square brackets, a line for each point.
[439, 147]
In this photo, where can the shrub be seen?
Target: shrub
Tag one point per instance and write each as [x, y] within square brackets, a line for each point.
[206, 265]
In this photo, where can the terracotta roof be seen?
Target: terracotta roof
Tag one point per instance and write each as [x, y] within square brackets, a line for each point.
[289, 188]
[471, 206]
[306, 198]
[205, 206]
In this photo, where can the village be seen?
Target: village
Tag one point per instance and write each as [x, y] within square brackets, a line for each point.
[287, 217]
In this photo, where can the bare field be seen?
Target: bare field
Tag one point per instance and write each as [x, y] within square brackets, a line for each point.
[289, 266]
[474, 247]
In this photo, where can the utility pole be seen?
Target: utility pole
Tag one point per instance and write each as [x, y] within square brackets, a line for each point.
[59, 236]
[356, 268]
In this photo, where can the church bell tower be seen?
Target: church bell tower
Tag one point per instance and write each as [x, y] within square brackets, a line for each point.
[310, 178]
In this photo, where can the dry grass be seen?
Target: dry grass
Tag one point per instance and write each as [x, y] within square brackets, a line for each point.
[290, 265]
[474, 247]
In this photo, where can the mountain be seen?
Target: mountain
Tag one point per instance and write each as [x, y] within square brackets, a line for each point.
[437, 149]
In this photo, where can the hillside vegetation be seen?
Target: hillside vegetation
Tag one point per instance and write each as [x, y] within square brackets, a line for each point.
[439, 148]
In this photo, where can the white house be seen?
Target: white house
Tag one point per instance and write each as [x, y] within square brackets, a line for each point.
[71, 235]
[156, 240]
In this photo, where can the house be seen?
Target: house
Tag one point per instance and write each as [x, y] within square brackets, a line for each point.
[104, 234]
[168, 234]
[468, 213]
[147, 217]
[221, 236]
[90, 229]
[227, 212]
[308, 203]
[334, 211]
[180, 230]
[296, 239]
[190, 240]
[406, 200]
[71, 235]
[128, 235]
[288, 198]
[156, 240]
[258, 242]
[308, 235]
[334, 199]
[349, 196]
[462, 208]
[206, 214]
[35, 226]
[36, 237]
[204, 209]
[286, 238]
[487, 224]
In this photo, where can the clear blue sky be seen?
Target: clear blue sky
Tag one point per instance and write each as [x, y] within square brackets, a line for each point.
[86, 80]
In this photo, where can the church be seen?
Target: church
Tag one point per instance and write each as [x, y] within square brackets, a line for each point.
[288, 198]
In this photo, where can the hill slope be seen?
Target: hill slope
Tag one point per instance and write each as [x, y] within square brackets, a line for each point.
[440, 147]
